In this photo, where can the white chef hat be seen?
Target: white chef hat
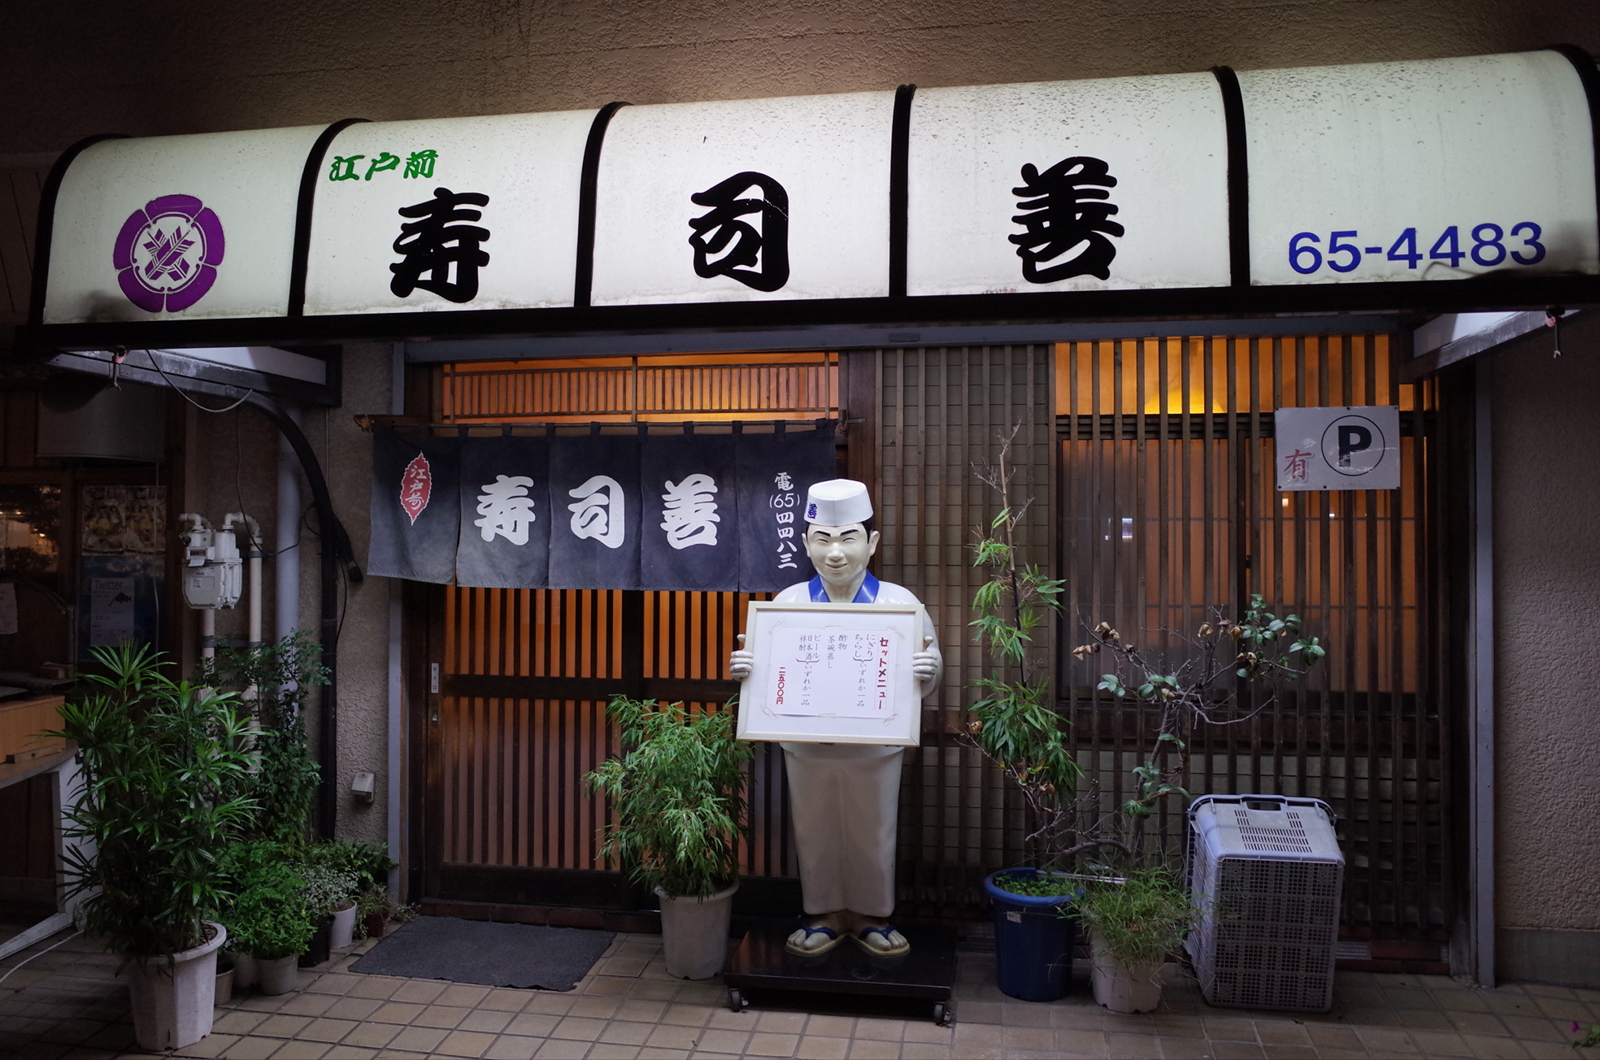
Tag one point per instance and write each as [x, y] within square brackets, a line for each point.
[838, 502]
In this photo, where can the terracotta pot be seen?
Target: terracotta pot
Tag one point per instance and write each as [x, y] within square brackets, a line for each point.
[173, 1003]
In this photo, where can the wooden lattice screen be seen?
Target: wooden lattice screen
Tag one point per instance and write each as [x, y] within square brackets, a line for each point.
[1168, 507]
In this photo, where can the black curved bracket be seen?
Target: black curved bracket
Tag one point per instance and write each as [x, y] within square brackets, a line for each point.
[588, 192]
[302, 215]
[45, 231]
[1238, 176]
[899, 188]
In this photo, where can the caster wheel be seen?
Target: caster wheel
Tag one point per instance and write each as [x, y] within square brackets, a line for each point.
[944, 1014]
[737, 1001]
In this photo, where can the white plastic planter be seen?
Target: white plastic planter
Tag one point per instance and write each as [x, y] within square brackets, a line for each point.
[694, 933]
[279, 975]
[173, 1004]
[1126, 988]
[342, 934]
[244, 971]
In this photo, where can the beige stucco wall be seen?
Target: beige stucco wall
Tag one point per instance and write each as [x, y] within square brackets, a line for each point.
[69, 70]
[1546, 439]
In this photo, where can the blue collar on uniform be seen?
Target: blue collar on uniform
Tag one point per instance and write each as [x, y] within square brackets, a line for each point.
[867, 594]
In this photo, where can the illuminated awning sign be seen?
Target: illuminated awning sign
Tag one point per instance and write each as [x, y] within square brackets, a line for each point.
[1448, 169]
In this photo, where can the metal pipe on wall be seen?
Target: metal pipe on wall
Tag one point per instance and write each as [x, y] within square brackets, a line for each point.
[286, 597]
[334, 550]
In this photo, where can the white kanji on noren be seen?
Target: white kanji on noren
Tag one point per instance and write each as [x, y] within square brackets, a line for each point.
[505, 509]
[690, 516]
[599, 511]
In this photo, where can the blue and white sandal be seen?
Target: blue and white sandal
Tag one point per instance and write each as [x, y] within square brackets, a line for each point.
[887, 949]
[810, 930]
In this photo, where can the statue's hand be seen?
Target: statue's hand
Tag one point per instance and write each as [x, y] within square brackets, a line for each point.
[924, 664]
[740, 661]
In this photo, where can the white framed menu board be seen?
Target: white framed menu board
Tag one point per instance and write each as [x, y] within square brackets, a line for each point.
[831, 673]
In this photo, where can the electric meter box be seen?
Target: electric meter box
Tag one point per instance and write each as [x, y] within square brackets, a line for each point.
[1268, 874]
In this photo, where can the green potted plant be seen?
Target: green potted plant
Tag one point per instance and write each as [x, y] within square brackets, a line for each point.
[164, 771]
[1016, 726]
[279, 676]
[327, 890]
[1135, 922]
[358, 868]
[677, 805]
[272, 923]
[375, 907]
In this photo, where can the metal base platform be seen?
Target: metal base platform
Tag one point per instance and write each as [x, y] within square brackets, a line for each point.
[927, 973]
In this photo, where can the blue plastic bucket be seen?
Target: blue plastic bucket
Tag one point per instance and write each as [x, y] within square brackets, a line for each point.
[1033, 942]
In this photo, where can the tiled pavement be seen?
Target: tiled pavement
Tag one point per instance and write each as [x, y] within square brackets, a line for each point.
[67, 1004]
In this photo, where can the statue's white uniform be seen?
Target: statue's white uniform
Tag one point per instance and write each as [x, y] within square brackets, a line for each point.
[844, 800]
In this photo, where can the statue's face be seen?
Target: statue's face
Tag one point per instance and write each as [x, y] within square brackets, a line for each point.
[840, 553]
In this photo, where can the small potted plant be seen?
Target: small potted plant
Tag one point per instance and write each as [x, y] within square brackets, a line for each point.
[375, 907]
[338, 871]
[326, 890]
[271, 923]
[677, 800]
[1135, 923]
[164, 771]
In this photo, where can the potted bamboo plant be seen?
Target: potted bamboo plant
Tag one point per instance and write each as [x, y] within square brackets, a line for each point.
[1135, 922]
[677, 801]
[164, 771]
[1016, 727]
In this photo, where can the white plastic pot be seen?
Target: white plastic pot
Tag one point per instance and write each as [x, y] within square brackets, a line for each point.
[244, 971]
[342, 934]
[224, 990]
[1126, 988]
[694, 933]
[279, 975]
[173, 1003]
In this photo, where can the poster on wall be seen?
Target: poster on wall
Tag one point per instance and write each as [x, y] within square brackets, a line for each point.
[690, 512]
[826, 673]
[122, 567]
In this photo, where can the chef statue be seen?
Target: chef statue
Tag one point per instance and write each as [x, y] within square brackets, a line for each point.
[844, 797]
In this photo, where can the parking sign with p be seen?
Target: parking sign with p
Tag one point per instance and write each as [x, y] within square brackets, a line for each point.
[1338, 448]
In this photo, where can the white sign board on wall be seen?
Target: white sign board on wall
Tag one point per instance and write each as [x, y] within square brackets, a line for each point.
[1338, 448]
[1436, 170]
[755, 199]
[1448, 169]
[191, 226]
[448, 214]
[1072, 185]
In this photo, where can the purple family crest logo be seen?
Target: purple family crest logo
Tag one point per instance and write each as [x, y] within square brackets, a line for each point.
[166, 255]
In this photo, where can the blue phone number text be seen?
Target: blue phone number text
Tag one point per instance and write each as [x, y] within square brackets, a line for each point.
[1487, 247]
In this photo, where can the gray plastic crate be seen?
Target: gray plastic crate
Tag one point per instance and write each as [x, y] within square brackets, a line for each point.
[1271, 873]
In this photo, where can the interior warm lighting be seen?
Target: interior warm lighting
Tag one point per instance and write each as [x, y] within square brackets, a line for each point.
[1178, 403]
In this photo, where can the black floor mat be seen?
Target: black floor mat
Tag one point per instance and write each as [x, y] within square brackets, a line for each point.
[475, 951]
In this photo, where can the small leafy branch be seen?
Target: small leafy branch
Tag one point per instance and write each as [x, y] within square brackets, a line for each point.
[272, 683]
[1226, 654]
[1014, 723]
